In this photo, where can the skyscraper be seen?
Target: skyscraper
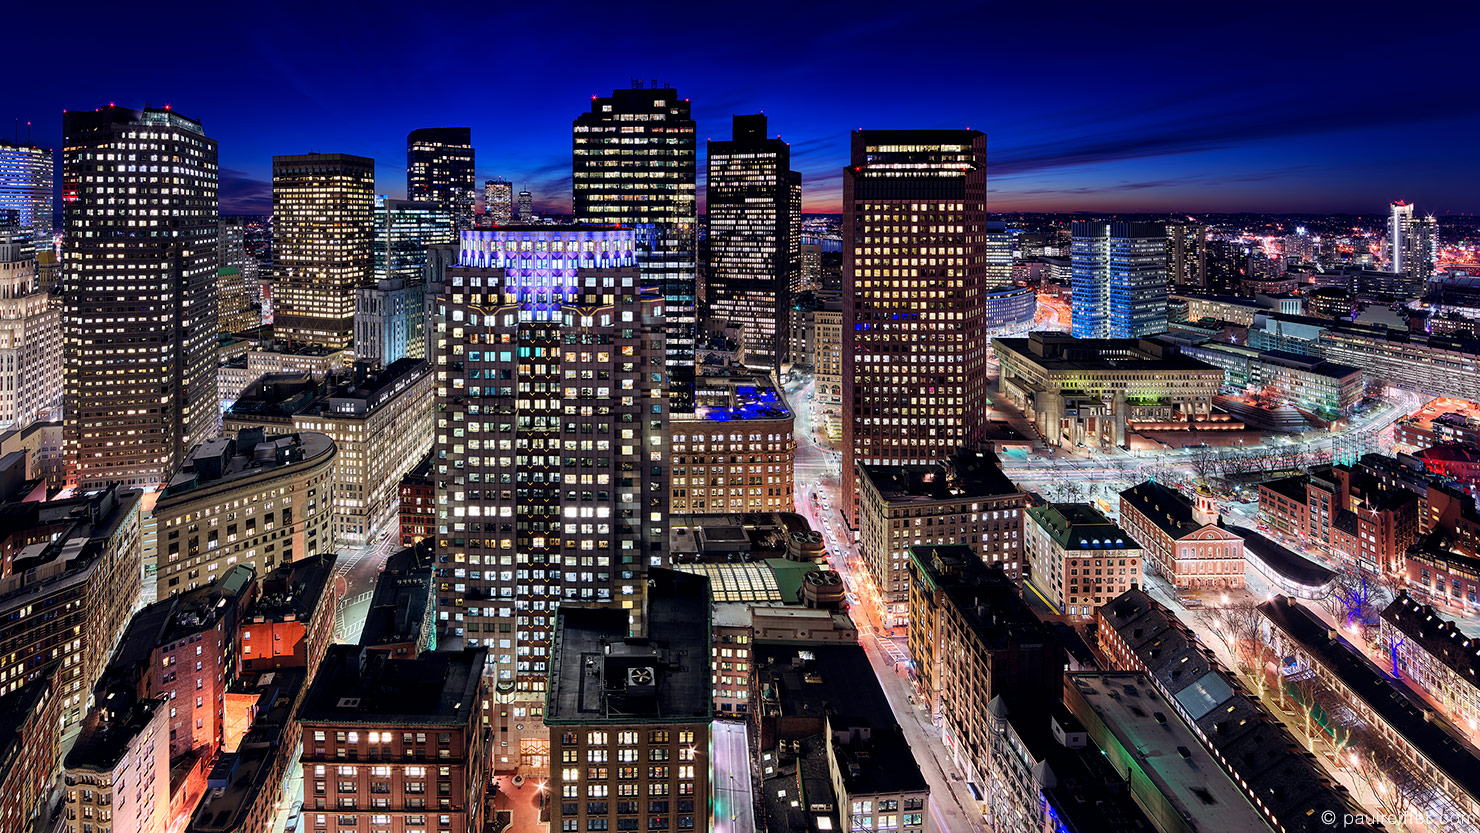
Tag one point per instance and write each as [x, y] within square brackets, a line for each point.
[439, 170]
[236, 279]
[753, 235]
[498, 201]
[634, 164]
[914, 274]
[30, 334]
[999, 255]
[526, 206]
[552, 425]
[1413, 242]
[25, 188]
[323, 230]
[140, 334]
[1187, 253]
[403, 231]
[1120, 279]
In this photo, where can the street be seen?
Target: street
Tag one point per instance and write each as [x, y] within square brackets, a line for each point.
[952, 807]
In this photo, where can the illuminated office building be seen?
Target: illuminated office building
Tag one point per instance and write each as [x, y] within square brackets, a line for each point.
[236, 279]
[999, 255]
[552, 422]
[30, 335]
[26, 188]
[140, 389]
[914, 275]
[439, 170]
[1412, 241]
[526, 207]
[403, 231]
[634, 165]
[753, 235]
[323, 207]
[498, 201]
[1187, 254]
[1120, 279]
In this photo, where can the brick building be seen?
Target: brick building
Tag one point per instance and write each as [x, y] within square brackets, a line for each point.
[1348, 511]
[1184, 540]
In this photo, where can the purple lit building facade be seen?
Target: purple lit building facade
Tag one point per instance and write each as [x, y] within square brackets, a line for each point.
[549, 461]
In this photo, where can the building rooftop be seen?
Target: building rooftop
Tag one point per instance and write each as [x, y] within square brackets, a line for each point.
[1422, 625]
[359, 686]
[970, 474]
[836, 685]
[797, 787]
[724, 396]
[79, 531]
[1288, 563]
[1292, 487]
[277, 395]
[117, 717]
[1166, 751]
[1058, 353]
[601, 673]
[293, 591]
[1452, 756]
[1080, 526]
[742, 537]
[1263, 753]
[1164, 506]
[238, 778]
[401, 605]
[364, 390]
[175, 618]
[223, 460]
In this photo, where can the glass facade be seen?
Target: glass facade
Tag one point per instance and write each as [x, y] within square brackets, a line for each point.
[439, 170]
[1119, 279]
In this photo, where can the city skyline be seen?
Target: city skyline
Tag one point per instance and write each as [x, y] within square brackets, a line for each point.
[1291, 131]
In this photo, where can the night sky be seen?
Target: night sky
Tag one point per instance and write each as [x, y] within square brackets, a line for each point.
[1110, 106]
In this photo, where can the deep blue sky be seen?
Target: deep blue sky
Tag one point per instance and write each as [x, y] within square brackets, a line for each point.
[1186, 106]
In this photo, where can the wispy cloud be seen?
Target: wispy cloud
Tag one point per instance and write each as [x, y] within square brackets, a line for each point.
[241, 194]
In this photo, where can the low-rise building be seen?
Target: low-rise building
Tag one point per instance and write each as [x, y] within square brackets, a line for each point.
[826, 698]
[418, 503]
[395, 743]
[401, 617]
[382, 424]
[1291, 791]
[256, 499]
[1079, 558]
[290, 623]
[117, 775]
[734, 452]
[182, 649]
[1091, 392]
[1432, 654]
[1184, 540]
[1427, 751]
[636, 703]
[976, 640]
[245, 787]
[1352, 512]
[965, 500]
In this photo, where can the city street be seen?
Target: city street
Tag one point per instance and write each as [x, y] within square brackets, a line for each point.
[734, 798]
[355, 573]
[952, 807]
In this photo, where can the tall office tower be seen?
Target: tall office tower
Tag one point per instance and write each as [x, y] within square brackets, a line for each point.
[1300, 247]
[914, 315]
[526, 207]
[634, 164]
[140, 388]
[752, 259]
[794, 233]
[809, 267]
[439, 170]
[1413, 242]
[999, 255]
[30, 334]
[25, 188]
[323, 207]
[552, 422]
[1120, 279]
[231, 248]
[498, 201]
[1187, 254]
[403, 231]
[236, 278]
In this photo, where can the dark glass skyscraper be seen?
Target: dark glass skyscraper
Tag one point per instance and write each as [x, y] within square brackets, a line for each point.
[634, 164]
[753, 235]
[439, 170]
[914, 314]
[140, 190]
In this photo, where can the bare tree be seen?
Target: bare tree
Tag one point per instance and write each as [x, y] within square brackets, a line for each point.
[1242, 625]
